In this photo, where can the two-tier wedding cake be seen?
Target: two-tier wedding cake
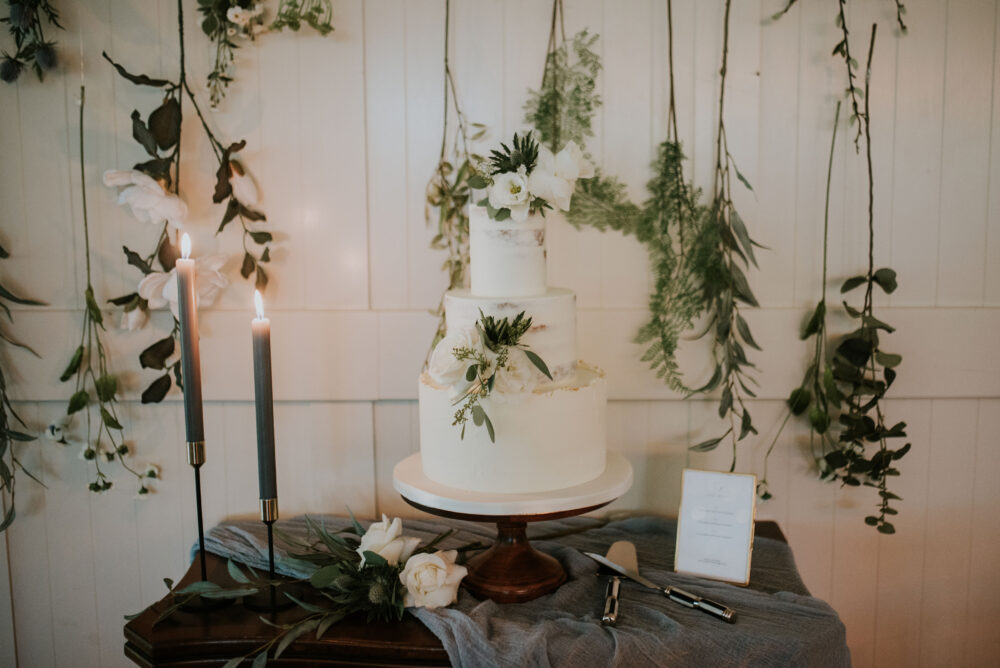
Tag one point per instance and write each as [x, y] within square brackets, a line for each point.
[504, 404]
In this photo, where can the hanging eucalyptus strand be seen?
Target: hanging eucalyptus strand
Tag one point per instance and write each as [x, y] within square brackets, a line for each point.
[448, 190]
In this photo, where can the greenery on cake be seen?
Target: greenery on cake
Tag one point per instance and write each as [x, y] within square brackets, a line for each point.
[524, 178]
[490, 358]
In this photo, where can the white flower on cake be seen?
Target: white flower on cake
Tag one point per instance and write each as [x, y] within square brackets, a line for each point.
[500, 363]
[517, 376]
[386, 540]
[526, 178]
[147, 199]
[159, 288]
[444, 367]
[554, 177]
[432, 580]
[510, 191]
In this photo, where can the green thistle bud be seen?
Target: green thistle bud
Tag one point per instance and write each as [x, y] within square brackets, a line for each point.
[377, 593]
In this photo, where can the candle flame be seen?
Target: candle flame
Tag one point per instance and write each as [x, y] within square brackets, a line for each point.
[185, 246]
[259, 303]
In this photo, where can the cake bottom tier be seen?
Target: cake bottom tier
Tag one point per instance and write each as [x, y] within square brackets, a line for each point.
[552, 438]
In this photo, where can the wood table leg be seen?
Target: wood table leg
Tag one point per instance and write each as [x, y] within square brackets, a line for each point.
[512, 571]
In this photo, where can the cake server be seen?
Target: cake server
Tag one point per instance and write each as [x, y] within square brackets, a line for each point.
[610, 614]
[626, 563]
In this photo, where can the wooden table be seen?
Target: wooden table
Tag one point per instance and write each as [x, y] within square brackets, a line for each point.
[194, 640]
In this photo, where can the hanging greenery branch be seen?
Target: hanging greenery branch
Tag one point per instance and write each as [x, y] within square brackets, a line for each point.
[25, 20]
[843, 49]
[95, 388]
[868, 370]
[227, 21]
[151, 189]
[448, 190]
[11, 435]
[725, 287]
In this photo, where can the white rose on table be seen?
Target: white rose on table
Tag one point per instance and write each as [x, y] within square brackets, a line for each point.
[510, 191]
[386, 540]
[554, 176]
[432, 580]
[443, 367]
[147, 199]
[517, 376]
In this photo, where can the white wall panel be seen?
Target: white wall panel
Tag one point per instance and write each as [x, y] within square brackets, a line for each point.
[343, 134]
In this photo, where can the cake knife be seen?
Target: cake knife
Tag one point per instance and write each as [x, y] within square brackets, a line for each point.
[630, 569]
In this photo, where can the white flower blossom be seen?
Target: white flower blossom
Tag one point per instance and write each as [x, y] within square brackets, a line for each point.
[517, 376]
[56, 431]
[244, 188]
[238, 15]
[554, 176]
[443, 367]
[159, 288]
[151, 471]
[385, 539]
[134, 319]
[432, 580]
[147, 199]
[510, 191]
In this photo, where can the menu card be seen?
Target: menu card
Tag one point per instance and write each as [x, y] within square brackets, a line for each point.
[715, 525]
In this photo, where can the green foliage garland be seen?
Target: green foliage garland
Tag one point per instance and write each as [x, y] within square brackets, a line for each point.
[160, 136]
[25, 24]
[449, 192]
[10, 433]
[94, 386]
[224, 20]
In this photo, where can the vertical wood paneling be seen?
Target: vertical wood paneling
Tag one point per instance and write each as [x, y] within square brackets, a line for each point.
[984, 577]
[991, 247]
[951, 452]
[918, 152]
[965, 156]
[385, 132]
[900, 557]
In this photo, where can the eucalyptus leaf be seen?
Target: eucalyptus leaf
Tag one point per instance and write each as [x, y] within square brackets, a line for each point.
[155, 356]
[106, 387]
[886, 279]
[888, 360]
[852, 283]
[142, 134]
[73, 366]
[798, 400]
[489, 428]
[77, 402]
[92, 308]
[290, 636]
[539, 363]
[138, 79]
[136, 261]
[165, 123]
[156, 390]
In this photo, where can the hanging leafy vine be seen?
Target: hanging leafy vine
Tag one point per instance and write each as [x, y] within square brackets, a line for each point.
[226, 21]
[92, 379]
[449, 191]
[25, 24]
[10, 433]
[152, 190]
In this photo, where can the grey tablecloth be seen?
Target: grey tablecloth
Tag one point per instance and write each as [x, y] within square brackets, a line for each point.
[778, 624]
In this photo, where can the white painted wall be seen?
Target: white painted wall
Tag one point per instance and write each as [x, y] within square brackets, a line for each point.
[343, 133]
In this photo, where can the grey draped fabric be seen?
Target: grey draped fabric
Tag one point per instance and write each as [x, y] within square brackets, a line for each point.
[778, 623]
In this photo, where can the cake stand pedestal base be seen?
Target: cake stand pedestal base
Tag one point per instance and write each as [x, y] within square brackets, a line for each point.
[512, 571]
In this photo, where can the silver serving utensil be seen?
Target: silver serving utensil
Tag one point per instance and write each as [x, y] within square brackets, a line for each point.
[626, 563]
[616, 552]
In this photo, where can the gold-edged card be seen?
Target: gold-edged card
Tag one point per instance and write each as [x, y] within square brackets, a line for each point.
[715, 525]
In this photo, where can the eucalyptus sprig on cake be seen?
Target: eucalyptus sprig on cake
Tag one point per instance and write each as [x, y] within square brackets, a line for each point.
[524, 178]
[490, 358]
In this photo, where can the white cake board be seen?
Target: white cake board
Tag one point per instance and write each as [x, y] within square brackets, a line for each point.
[409, 480]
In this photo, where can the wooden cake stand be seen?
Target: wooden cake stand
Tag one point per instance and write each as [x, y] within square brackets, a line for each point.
[512, 570]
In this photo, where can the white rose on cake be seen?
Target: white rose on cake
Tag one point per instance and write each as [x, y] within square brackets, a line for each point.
[386, 540]
[432, 580]
[554, 177]
[510, 191]
[443, 367]
[517, 376]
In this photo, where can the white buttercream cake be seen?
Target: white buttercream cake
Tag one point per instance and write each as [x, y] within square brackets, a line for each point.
[549, 433]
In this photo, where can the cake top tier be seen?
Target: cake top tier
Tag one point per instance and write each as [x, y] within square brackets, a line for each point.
[507, 227]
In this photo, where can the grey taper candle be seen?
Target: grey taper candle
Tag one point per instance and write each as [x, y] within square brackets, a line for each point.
[187, 312]
[265, 402]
